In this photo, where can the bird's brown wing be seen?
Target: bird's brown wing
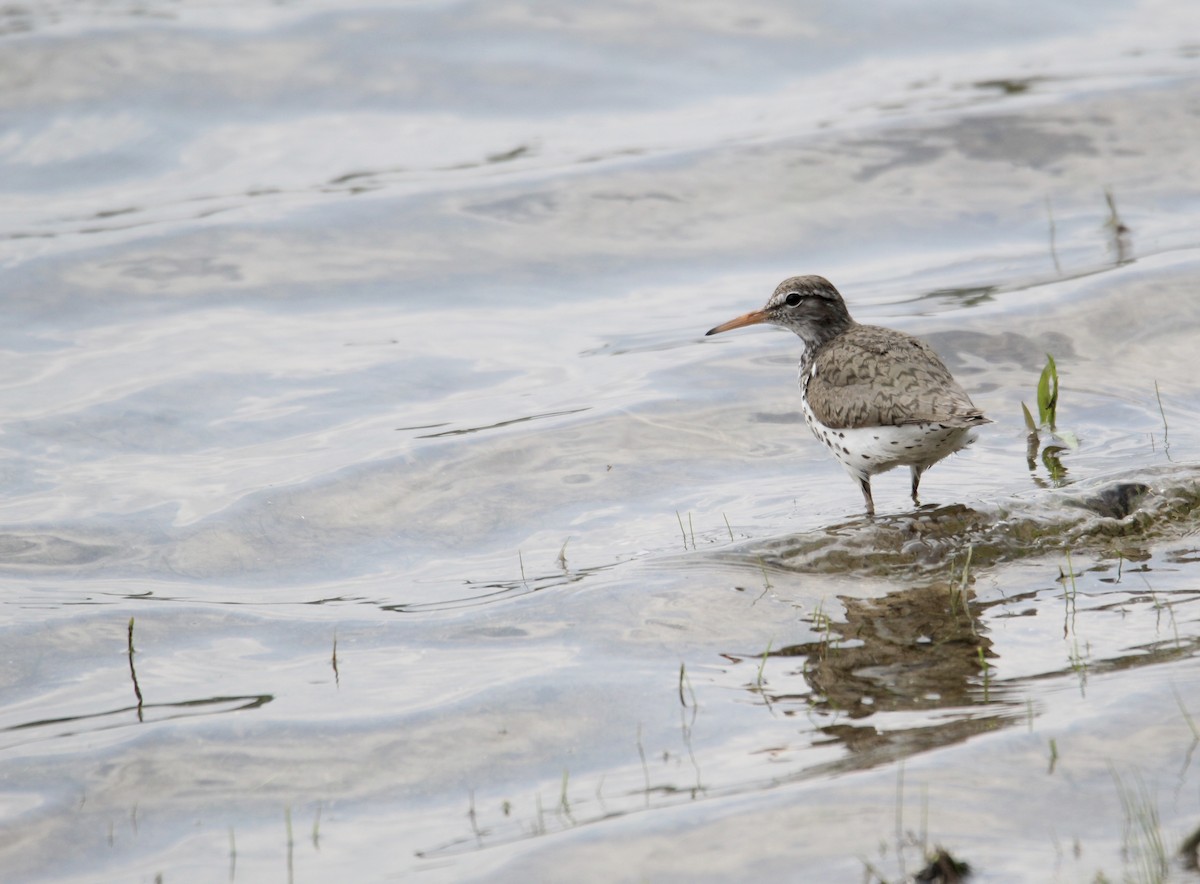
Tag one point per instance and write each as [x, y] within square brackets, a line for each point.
[873, 376]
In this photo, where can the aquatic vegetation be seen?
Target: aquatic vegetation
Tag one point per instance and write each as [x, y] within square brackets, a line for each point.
[758, 681]
[766, 579]
[958, 588]
[1047, 422]
[986, 668]
[1166, 429]
[137, 690]
[1047, 394]
[287, 823]
[564, 803]
[1144, 843]
[686, 682]
[681, 531]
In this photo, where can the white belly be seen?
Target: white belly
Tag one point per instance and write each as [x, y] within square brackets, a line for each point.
[870, 450]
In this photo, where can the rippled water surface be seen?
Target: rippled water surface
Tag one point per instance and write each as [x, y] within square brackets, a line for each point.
[374, 505]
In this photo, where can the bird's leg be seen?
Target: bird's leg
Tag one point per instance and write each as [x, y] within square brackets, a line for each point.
[865, 484]
[916, 480]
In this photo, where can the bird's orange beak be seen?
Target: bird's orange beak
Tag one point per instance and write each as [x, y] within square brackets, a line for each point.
[754, 317]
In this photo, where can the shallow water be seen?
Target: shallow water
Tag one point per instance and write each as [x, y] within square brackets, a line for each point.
[354, 355]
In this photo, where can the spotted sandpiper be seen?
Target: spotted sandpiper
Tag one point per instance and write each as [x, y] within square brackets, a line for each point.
[876, 397]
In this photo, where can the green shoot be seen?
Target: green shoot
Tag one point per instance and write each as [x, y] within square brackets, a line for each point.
[1068, 595]
[681, 531]
[1047, 394]
[1047, 410]
[1163, 414]
[763, 665]
[763, 567]
[686, 681]
[1029, 422]
[958, 592]
[1053, 249]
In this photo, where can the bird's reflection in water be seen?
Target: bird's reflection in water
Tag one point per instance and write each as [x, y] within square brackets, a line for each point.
[916, 650]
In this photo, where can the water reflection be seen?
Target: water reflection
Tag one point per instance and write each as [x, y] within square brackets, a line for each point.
[485, 593]
[129, 716]
[916, 649]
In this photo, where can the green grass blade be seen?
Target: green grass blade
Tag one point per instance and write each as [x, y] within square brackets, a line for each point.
[1048, 393]
[1029, 424]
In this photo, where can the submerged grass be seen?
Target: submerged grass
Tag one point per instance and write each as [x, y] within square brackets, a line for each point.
[758, 681]
[684, 681]
[986, 668]
[473, 817]
[645, 767]
[564, 803]
[291, 866]
[958, 589]
[1191, 723]
[1070, 609]
[763, 567]
[1143, 838]
[1166, 430]
[1053, 236]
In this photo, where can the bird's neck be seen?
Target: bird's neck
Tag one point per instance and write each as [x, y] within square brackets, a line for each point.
[817, 336]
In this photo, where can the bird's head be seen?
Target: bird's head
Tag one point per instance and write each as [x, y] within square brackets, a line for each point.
[808, 305]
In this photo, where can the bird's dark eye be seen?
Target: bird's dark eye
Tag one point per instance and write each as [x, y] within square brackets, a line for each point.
[793, 299]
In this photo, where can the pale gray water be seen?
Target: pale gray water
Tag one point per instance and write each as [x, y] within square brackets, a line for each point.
[327, 327]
